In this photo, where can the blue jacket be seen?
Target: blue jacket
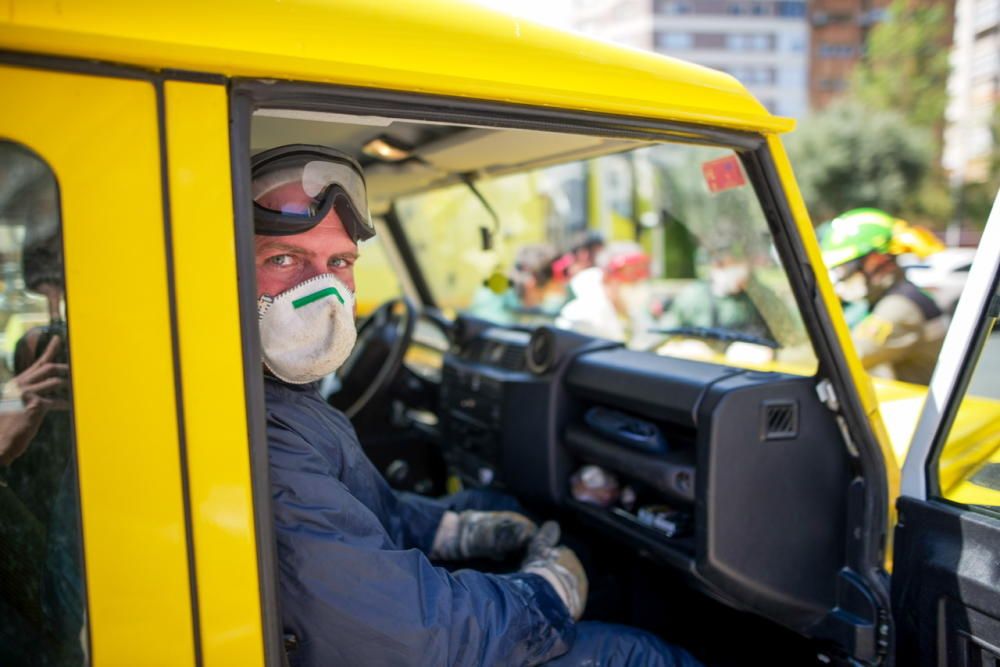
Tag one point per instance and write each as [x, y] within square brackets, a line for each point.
[355, 583]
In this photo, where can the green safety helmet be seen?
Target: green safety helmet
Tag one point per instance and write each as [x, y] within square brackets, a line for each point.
[854, 234]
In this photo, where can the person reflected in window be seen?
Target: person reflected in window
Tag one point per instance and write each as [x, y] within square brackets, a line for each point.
[27, 398]
[39, 534]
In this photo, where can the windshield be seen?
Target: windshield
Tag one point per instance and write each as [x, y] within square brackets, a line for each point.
[664, 248]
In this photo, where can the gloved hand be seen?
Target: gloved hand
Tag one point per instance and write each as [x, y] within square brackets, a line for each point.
[472, 534]
[559, 566]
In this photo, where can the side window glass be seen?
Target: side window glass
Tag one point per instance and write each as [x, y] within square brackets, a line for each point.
[375, 276]
[42, 601]
[969, 463]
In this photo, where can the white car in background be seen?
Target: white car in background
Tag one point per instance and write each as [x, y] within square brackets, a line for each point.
[942, 275]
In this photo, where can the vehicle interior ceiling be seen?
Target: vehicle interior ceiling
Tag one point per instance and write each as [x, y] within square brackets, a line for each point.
[713, 538]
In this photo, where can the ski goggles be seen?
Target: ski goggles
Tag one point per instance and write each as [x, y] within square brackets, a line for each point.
[294, 187]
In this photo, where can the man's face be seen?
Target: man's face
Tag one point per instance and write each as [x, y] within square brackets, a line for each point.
[728, 276]
[285, 261]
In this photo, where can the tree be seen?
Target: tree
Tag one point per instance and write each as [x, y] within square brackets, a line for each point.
[849, 156]
[905, 66]
[905, 69]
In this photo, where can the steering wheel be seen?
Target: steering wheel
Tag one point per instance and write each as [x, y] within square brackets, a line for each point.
[378, 353]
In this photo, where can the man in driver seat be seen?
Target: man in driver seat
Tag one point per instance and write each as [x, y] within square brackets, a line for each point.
[356, 581]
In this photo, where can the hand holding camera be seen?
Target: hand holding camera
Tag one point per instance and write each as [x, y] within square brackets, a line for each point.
[41, 387]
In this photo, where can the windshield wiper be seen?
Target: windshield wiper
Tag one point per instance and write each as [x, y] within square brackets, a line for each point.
[718, 333]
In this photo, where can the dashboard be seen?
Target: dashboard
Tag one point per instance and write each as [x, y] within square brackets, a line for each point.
[698, 465]
[424, 356]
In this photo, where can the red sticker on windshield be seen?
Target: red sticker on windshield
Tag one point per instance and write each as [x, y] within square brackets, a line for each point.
[723, 174]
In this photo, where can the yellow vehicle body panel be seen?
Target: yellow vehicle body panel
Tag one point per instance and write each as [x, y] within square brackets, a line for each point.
[974, 439]
[124, 408]
[403, 45]
[204, 250]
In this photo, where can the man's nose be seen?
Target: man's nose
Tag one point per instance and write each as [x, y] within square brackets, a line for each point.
[314, 269]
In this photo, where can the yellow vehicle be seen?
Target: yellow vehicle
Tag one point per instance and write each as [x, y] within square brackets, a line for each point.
[135, 524]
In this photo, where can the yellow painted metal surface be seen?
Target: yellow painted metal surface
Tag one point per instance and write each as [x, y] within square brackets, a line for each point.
[446, 47]
[212, 374]
[100, 138]
[866, 392]
[973, 441]
[974, 438]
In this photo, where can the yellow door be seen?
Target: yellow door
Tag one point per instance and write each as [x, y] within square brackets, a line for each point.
[212, 374]
[125, 596]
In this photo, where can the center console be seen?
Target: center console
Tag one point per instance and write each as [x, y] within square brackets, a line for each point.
[491, 404]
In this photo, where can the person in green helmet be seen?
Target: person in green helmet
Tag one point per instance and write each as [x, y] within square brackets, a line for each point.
[901, 335]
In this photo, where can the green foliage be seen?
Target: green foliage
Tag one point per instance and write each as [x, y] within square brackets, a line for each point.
[848, 156]
[906, 64]
[881, 146]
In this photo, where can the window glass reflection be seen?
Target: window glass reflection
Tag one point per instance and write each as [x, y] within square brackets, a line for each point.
[42, 602]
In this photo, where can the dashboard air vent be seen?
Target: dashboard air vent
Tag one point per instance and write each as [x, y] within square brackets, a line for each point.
[541, 354]
[513, 358]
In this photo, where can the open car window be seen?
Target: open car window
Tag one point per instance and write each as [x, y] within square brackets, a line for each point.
[664, 248]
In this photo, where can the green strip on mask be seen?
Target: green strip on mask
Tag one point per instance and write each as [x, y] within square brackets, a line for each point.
[316, 296]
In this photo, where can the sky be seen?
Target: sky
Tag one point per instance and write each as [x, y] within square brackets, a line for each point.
[552, 12]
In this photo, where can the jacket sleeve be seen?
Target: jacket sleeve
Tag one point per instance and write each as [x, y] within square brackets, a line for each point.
[418, 518]
[889, 333]
[351, 597]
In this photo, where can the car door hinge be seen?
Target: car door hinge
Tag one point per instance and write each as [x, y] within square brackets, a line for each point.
[828, 395]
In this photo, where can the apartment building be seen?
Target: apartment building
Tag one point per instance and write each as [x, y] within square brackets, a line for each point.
[973, 90]
[839, 32]
[763, 43]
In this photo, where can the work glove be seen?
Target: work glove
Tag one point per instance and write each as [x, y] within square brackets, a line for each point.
[559, 566]
[473, 534]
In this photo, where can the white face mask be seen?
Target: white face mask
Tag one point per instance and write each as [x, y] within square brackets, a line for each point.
[729, 280]
[852, 288]
[308, 331]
